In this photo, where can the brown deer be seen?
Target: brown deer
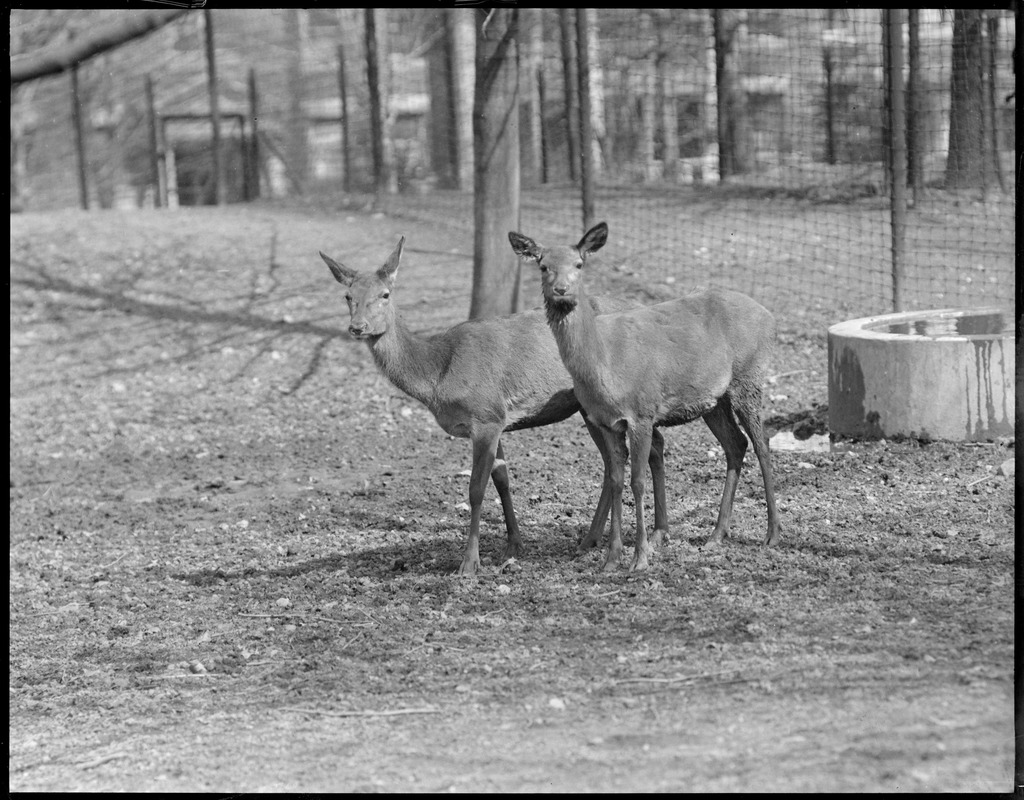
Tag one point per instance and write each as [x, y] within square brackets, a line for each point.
[702, 355]
[481, 378]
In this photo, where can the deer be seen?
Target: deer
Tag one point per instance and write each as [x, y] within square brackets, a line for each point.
[703, 355]
[480, 378]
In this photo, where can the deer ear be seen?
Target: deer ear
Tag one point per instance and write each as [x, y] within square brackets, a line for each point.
[525, 247]
[594, 239]
[341, 273]
[387, 272]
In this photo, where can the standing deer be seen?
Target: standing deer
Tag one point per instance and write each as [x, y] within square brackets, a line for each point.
[481, 378]
[703, 355]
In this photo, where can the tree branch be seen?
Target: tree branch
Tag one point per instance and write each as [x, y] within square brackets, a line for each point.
[51, 60]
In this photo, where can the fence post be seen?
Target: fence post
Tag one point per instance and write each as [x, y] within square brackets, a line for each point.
[896, 147]
[254, 146]
[211, 70]
[76, 119]
[586, 126]
[154, 145]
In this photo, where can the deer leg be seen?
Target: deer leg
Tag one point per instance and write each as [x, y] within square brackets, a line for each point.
[639, 452]
[748, 409]
[593, 537]
[485, 446]
[723, 425]
[657, 463]
[499, 475]
[616, 446]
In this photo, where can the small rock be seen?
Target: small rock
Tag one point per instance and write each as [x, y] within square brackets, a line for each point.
[504, 589]
[196, 667]
[1007, 468]
[557, 703]
[283, 602]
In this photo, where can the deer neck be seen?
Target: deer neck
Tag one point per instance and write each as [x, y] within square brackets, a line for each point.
[579, 342]
[410, 362]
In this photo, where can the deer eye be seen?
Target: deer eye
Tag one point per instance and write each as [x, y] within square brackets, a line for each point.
[348, 298]
[386, 295]
[543, 268]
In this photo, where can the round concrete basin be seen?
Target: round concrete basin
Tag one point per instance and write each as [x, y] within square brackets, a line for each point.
[945, 374]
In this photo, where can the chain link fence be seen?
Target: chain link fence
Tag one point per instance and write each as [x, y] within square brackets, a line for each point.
[744, 148]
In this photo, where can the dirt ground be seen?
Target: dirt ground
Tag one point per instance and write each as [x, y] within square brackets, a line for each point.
[232, 547]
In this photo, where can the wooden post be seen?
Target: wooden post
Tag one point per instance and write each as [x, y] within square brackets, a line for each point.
[346, 150]
[897, 147]
[211, 72]
[254, 142]
[76, 119]
[154, 145]
[586, 122]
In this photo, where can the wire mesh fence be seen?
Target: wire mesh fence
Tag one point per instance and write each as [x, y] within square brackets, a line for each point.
[745, 148]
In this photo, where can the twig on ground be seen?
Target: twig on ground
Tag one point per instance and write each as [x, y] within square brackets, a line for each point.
[979, 480]
[774, 378]
[96, 762]
[394, 712]
[299, 616]
[108, 566]
[680, 679]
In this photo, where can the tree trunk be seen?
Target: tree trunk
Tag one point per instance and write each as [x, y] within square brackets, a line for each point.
[567, 27]
[965, 163]
[599, 141]
[296, 147]
[588, 161]
[915, 119]
[828, 66]
[668, 102]
[440, 82]
[378, 99]
[734, 144]
[496, 270]
[645, 148]
[532, 53]
[463, 29]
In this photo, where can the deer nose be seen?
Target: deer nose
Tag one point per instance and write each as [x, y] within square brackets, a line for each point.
[357, 330]
[561, 290]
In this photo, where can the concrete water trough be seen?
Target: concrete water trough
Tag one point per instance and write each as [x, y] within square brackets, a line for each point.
[946, 374]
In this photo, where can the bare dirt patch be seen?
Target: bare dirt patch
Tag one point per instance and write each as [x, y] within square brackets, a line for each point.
[232, 545]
